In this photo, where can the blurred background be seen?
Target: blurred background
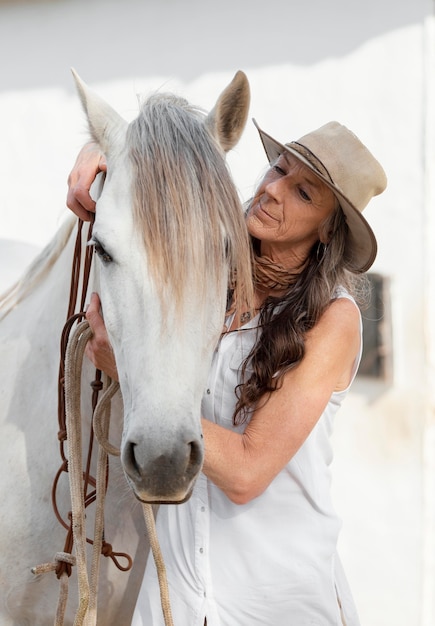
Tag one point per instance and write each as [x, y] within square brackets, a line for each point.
[369, 65]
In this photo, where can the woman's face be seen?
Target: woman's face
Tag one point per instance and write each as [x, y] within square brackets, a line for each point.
[288, 209]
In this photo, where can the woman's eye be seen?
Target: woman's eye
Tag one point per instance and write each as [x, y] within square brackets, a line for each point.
[278, 170]
[304, 195]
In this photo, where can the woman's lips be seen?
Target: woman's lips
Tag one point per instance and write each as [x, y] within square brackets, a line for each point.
[263, 210]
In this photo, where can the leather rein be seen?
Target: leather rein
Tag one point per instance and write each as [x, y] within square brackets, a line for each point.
[79, 282]
[93, 489]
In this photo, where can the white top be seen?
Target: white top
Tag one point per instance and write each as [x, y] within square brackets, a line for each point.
[270, 562]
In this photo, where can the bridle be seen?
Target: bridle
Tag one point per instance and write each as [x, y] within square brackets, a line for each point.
[79, 281]
[64, 560]
[76, 332]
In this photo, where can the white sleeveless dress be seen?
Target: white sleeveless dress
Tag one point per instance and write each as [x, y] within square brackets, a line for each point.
[271, 562]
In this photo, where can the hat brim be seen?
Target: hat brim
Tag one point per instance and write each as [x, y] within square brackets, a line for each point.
[361, 245]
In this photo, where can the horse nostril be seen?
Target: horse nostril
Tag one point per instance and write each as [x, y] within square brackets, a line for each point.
[195, 456]
[129, 459]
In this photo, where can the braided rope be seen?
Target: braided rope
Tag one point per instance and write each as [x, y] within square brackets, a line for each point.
[87, 610]
[101, 430]
[101, 419]
[73, 365]
[99, 511]
[60, 557]
[160, 564]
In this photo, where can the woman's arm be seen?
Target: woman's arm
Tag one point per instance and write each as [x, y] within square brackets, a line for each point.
[243, 465]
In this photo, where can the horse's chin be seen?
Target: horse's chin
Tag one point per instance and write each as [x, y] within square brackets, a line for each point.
[161, 500]
[161, 497]
[164, 501]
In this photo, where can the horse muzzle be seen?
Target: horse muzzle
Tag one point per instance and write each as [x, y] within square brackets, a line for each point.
[162, 474]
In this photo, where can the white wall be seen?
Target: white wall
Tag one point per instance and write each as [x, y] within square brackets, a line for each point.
[364, 64]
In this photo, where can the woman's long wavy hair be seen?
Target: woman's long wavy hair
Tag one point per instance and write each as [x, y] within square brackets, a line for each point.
[286, 319]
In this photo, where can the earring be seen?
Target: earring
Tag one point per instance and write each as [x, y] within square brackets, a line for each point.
[321, 251]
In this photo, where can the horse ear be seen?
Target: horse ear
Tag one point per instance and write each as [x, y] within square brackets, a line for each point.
[227, 119]
[105, 124]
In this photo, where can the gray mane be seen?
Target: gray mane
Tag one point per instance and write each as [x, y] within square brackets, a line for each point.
[185, 202]
[186, 207]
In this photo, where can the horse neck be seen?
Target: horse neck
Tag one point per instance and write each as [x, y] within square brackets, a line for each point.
[49, 274]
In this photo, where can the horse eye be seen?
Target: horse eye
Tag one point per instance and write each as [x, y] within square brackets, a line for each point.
[104, 256]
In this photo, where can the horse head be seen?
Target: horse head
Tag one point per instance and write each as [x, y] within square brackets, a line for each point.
[169, 232]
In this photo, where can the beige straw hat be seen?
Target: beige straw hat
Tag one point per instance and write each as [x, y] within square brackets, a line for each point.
[345, 165]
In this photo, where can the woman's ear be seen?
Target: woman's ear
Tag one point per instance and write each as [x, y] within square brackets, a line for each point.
[329, 226]
[326, 231]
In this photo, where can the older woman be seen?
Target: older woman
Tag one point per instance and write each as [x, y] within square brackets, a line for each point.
[256, 542]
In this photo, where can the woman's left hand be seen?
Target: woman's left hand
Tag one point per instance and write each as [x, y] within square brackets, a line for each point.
[90, 161]
[98, 348]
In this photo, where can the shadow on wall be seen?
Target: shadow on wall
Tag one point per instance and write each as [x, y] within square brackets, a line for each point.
[116, 39]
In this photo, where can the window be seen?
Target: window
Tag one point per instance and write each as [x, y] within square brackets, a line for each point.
[376, 359]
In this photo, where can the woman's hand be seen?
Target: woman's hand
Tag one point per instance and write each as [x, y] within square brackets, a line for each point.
[98, 348]
[90, 161]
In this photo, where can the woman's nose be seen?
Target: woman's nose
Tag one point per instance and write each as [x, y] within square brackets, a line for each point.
[276, 188]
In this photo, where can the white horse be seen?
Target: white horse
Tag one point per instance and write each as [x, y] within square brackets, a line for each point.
[169, 231]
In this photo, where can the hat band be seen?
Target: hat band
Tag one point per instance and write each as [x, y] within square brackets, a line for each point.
[311, 157]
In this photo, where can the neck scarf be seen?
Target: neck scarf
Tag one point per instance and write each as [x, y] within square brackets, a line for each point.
[271, 275]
